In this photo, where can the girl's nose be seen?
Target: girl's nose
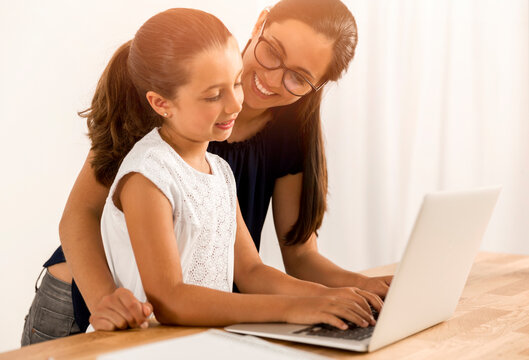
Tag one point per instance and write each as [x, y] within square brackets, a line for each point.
[234, 103]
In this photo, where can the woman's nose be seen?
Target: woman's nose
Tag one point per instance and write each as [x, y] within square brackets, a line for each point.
[274, 78]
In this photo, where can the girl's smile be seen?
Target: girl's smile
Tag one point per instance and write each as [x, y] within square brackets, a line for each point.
[227, 125]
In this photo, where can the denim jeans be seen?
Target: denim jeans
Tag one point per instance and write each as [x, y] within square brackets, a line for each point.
[51, 313]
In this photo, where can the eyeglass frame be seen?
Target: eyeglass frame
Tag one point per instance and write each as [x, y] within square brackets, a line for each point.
[282, 65]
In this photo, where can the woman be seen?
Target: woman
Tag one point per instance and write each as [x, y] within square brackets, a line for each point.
[275, 151]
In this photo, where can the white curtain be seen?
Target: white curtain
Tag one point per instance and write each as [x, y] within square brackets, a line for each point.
[437, 98]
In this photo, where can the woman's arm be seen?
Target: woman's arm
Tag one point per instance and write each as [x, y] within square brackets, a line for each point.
[149, 218]
[80, 235]
[303, 260]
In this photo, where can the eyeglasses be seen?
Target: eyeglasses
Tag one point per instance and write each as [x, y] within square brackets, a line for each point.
[269, 58]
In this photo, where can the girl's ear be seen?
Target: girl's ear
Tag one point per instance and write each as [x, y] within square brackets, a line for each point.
[262, 17]
[158, 103]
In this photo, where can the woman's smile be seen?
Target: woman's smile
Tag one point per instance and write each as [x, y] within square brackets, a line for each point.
[261, 89]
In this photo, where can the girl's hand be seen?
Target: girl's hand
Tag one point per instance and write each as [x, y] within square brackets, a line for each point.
[120, 310]
[331, 309]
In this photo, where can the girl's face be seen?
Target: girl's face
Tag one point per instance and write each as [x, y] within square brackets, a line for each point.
[206, 107]
[299, 47]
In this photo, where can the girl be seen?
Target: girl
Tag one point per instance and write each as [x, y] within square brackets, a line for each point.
[171, 227]
[275, 151]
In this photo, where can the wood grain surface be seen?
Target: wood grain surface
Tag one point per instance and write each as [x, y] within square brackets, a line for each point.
[490, 322]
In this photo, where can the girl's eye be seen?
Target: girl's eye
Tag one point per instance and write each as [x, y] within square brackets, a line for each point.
[219, 95]
[213, 98]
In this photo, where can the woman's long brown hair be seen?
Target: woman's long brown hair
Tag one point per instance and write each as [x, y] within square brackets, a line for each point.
[332, 19]
[155, 60]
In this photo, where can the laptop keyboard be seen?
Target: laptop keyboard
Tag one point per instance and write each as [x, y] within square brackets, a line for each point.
[353, 332]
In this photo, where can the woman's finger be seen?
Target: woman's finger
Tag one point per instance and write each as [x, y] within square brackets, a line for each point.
[147, 309]
[101, 319]
[113, 309]
[131, 308]
[115, 317]
[101, 324]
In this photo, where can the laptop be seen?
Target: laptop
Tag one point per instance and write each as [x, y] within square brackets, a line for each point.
[427, 284]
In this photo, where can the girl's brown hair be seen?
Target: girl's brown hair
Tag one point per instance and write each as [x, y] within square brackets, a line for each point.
[332, 19]
[155, 60]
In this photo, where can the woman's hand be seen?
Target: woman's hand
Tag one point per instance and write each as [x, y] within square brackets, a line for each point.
[378, 284]
[365, 299]
[120, 310]
[339, 303]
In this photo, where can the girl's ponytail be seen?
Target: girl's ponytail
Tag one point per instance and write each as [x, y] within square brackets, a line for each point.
[117, 119]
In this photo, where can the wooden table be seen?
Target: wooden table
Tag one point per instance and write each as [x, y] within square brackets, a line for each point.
[490, 322]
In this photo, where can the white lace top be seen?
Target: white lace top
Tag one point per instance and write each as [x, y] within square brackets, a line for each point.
[204, 215]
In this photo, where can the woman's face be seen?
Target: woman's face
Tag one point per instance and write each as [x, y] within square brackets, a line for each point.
[301, 49]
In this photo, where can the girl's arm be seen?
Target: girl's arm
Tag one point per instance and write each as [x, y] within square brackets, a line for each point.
[252, 276]
[149, 219]
[80, 234]
[303, 260]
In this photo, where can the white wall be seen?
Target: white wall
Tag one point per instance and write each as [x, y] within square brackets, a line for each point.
[52, 54]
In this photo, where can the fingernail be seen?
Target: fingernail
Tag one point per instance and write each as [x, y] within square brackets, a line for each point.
[344, 327]
[145, 325]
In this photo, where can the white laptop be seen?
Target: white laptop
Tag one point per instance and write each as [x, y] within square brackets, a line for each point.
[427, 283]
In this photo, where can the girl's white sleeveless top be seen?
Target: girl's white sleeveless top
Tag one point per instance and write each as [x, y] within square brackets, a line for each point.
[204, 215]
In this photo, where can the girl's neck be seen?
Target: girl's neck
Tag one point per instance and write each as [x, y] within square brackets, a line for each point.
[192, 152]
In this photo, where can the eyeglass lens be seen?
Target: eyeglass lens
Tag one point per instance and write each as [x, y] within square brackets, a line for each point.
[269, 59]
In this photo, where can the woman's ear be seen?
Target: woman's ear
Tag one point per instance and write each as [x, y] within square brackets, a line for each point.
[262, 17]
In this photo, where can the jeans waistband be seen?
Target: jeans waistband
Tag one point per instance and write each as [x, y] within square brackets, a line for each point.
[52, 286]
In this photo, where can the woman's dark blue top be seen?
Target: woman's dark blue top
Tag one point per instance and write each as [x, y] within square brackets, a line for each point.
[256, 163]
